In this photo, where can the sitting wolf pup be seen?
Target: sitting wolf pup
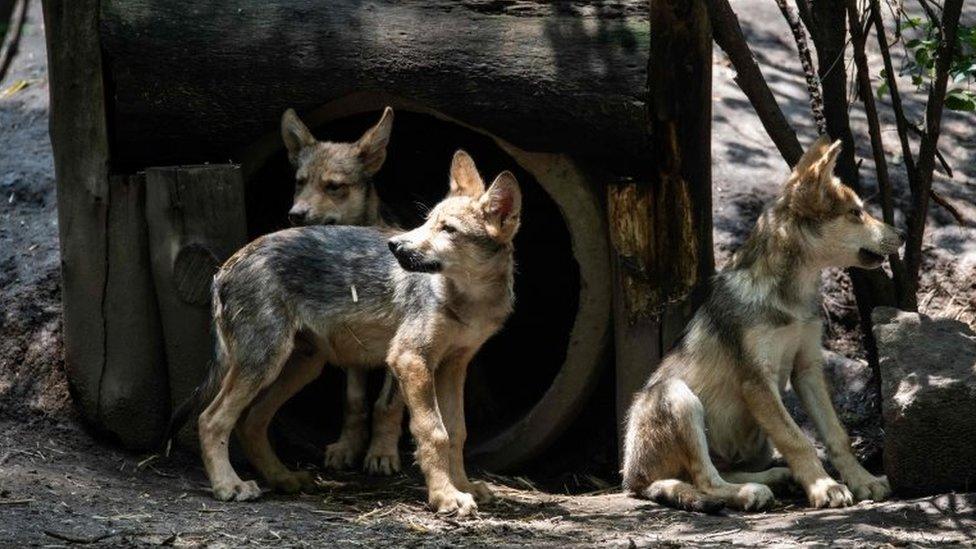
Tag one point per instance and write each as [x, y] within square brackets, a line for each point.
[425, 310]
[334, 186]
[698, 433]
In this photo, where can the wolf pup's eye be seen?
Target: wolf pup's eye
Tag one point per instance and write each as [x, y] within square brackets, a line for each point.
[856, 212]
[449, 229]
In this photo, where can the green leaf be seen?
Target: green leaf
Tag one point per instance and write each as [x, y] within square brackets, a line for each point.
[882, 90]
[961, 100]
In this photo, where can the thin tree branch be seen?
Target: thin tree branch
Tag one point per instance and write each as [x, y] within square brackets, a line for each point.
[813, 81]
[858, 39]
[12, 42]
[949, 207]
[926, 154]
[728, 35]
[938, 154]
[891, 78]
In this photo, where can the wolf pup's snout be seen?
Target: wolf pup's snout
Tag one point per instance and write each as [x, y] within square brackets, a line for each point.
[297, 216]
[412, 260]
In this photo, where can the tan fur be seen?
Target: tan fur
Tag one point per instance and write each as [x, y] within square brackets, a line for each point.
[714, 404]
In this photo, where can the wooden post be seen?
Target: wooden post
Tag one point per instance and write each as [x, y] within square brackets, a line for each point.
[112, 341]
[661, 226]
[196, 221]
[80, 142]
[134, 379]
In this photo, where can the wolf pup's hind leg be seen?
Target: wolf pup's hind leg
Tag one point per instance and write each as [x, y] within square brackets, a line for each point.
[666, 439]
[300, 370]
[252, 363]
[383, 456]
[345, 452]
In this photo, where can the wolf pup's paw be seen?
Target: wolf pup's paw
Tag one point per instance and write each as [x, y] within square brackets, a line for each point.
[382, 461]
[870, 487]
[481, 492]
[451, 501]
[237, 491]
[753, 496]
[827, 492]
[342, 455]
[293, 482]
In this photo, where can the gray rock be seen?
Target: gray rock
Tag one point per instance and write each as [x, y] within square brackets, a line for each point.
[928, 386]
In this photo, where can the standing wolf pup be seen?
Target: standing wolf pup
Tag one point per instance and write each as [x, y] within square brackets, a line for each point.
[425, 310]
[334, 186]
[714, 403]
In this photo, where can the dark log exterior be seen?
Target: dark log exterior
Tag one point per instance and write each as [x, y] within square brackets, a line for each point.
[200, 81]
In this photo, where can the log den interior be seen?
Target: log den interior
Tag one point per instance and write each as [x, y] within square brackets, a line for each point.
[516, 367]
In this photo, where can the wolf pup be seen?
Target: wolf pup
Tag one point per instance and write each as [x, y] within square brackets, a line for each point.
[698, 434]
[424, 310]
[333, 186]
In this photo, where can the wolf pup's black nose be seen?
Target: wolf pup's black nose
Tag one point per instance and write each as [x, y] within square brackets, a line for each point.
[394, 246]
[296, 217]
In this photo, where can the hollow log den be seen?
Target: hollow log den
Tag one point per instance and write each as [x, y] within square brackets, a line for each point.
[170, 158]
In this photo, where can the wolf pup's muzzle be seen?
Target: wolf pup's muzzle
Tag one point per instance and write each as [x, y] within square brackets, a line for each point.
[412, 261]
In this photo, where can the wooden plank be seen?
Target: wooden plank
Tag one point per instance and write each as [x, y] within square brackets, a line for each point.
[201, 81]
[133, 400]
[661, 227]
[81, 155]
[196, 221]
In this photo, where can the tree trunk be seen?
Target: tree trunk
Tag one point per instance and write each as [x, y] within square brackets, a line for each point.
[661, 226]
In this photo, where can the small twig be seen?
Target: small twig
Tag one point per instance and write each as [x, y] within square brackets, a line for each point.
[949, 207]
[16, 501]
[78, 539]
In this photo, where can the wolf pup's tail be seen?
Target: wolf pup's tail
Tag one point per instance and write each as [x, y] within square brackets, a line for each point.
[682, 495]
[191, 405]
[206, 390]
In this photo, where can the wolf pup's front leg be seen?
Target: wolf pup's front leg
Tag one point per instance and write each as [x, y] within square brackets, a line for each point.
[416, 377]
[450, 399]
[767, 408]
[808, 381]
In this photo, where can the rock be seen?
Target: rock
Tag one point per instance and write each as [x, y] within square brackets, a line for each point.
[854, 399]
[928, 386]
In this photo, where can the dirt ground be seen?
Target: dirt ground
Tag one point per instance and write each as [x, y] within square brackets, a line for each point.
[59, 485]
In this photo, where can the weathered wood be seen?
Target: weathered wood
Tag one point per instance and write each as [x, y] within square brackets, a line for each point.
[132, 401]
[661, 228]
[80, 141]
[200, 81]
[196, 221]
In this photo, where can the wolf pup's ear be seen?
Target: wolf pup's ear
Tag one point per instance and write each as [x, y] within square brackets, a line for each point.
[502, 205]
[372, 145]
[465, 180]
[817, 164]
[295, 134]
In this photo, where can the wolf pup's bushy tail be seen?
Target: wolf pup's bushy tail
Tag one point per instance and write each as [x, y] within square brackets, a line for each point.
[207, 389]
